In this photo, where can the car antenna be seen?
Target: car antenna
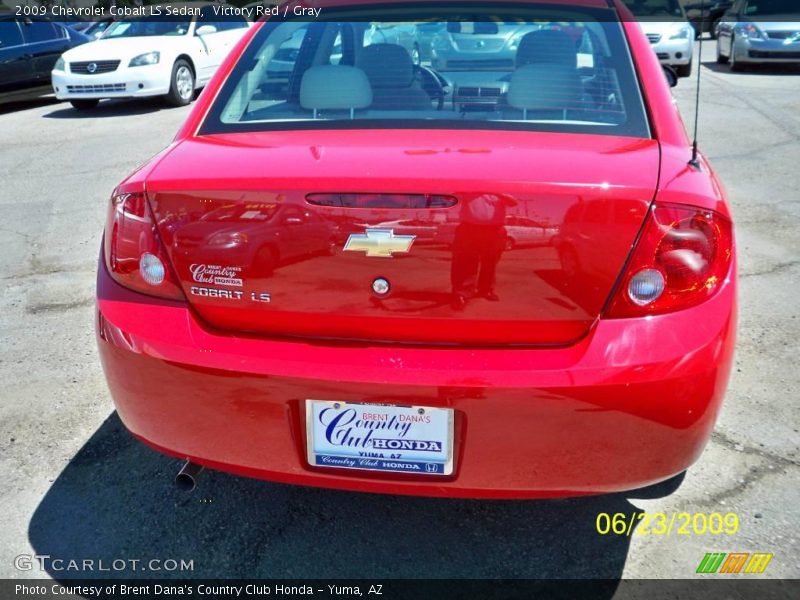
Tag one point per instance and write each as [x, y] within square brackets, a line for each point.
[695, 163]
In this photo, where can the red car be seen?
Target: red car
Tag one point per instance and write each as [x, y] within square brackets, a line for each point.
[377, 358]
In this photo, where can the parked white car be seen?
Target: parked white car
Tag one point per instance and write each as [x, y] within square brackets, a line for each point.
[154, 55]
[671, 36]
[673, 43]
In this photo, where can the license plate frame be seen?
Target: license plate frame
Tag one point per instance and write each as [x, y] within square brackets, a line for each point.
[398, 455]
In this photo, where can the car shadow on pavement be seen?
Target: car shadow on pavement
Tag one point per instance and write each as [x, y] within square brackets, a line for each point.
[785, 69]
[19, 105]
[109, 108]
[116, 500]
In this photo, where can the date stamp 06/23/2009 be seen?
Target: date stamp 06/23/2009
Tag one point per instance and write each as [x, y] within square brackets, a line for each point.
[667, 524]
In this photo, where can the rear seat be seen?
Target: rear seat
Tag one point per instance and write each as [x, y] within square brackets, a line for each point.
[391, 73]
[546, 79]
[335, 88]
[547, 46]
[546, 87]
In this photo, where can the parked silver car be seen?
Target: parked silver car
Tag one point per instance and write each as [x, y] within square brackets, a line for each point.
[759, 31]
[484, 45]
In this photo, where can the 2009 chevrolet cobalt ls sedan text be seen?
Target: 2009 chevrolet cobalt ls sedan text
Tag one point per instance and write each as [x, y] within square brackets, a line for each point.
[338, 276]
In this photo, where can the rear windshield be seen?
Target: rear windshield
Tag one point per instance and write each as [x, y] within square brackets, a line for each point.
[541, 68]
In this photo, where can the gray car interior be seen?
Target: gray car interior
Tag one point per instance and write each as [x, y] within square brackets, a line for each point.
[384, 83]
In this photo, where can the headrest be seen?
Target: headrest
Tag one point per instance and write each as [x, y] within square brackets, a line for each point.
[335, 87]
[547, 46]
[387, 65]
[545, 86]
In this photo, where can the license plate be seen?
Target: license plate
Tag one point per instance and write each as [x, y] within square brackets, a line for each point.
[378, 437]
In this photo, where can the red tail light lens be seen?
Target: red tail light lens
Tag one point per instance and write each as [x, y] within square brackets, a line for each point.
[682, 259]
[134, 254]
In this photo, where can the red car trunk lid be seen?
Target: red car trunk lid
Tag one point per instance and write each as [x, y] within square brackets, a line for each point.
[522, 243]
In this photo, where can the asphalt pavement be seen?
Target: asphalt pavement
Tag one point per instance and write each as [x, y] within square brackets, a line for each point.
[76, 486]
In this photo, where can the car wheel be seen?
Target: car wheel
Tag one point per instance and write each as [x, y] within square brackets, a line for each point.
[736, 66]
[416, 57]
[721, 59]
[84, 104]
[684, 70]
[181, 89]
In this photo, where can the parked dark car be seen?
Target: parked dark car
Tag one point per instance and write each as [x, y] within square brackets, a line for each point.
[77, 24]
[705, 16]
[29, 49]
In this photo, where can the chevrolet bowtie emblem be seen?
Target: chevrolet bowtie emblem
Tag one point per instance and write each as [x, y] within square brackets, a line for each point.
[382, 243]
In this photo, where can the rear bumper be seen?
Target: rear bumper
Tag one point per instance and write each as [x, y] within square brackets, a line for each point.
[632, 404]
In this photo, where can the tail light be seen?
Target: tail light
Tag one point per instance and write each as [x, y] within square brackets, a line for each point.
[134, 254]
[681, 259]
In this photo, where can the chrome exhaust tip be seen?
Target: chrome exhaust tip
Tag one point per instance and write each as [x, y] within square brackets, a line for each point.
[186, 479]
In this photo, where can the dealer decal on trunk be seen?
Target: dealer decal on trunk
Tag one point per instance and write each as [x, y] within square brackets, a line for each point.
[216, 274]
